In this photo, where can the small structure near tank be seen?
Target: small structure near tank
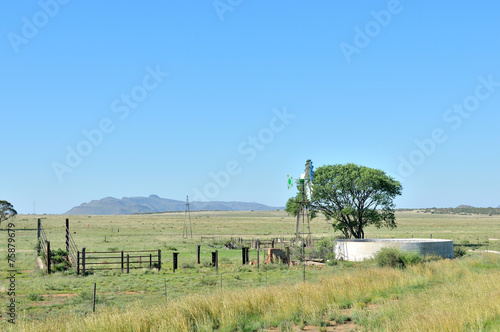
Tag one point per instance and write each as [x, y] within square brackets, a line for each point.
[276, 255]
[361, 249]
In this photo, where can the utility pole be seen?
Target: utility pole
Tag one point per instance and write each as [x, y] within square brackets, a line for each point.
[187, 219]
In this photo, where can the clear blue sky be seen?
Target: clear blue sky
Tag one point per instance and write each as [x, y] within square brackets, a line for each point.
[253, 90]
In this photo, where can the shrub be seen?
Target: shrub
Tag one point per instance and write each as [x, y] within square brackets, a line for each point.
[35, 297]
[411, 258]
[59, 260]
[397, 259]
[326, 248]
[459, 252]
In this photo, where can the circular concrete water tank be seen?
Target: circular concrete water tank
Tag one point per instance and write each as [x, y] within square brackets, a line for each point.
[361, 249]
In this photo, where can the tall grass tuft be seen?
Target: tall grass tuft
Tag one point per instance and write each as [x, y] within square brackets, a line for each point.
[395, 258]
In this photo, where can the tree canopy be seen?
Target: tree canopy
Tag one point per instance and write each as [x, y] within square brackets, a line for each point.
[6, 211]
[353, 197]
[293, 205]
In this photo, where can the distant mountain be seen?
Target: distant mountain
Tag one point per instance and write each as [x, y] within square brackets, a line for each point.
[465, 206]
[153, 203]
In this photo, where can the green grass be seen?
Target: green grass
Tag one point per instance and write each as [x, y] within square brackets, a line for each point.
[42, 297]
[436, 296]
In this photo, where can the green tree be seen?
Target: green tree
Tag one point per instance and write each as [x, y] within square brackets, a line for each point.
[293, 205]
[6, 211]
[354, 196]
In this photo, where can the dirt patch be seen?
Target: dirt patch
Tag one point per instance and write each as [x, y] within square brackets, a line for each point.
[134, 292]
[487, 251]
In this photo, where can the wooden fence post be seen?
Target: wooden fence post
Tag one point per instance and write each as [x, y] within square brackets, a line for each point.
[93, 305]
[67, 236]
[288, 256]
[175, 254]
[150, 261]
[83, 261]
[198, 252]
[128, 264]
[48, 257]
[216, 261]
[77, 262]
[39, 225]
[122, 261]
[159, 259]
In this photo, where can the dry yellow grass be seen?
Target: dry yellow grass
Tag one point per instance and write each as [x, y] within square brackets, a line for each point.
[468, 303]
[445, 295]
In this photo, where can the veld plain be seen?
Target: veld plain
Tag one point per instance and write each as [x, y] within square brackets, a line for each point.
[455, 295]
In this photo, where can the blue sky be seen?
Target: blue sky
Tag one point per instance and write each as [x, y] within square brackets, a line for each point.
[219, 100]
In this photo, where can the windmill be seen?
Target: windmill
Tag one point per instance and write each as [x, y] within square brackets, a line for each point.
[305, 187]
[187, 218]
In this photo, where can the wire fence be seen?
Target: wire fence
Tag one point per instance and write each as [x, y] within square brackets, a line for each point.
[71, 247]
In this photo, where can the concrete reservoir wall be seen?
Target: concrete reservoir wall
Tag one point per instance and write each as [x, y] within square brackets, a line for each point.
[361, 249]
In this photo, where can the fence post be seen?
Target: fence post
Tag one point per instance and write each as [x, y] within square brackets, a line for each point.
[159, 259]
[150, 261]
[243, 256]
[128, 264]
[48, 257]
[93, 305]
[216, 261]
[67, 236]
[122, 261]
[213, 258]
[198, 254]
[83, 261]
[175, 254]
[77, 262]
[39, 225]
[288, 256]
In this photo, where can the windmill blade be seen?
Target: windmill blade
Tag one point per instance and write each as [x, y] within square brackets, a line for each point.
[290, 181]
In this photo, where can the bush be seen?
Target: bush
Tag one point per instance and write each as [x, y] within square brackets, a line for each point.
[59, 260]
[397, 259]
[326, 248]
[35, 297]
[459, 252]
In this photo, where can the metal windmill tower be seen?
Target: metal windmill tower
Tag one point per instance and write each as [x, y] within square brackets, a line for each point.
[187, 218]
[303, 215]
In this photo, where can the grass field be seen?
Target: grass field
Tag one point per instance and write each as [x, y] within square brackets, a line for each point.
[150, 294]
